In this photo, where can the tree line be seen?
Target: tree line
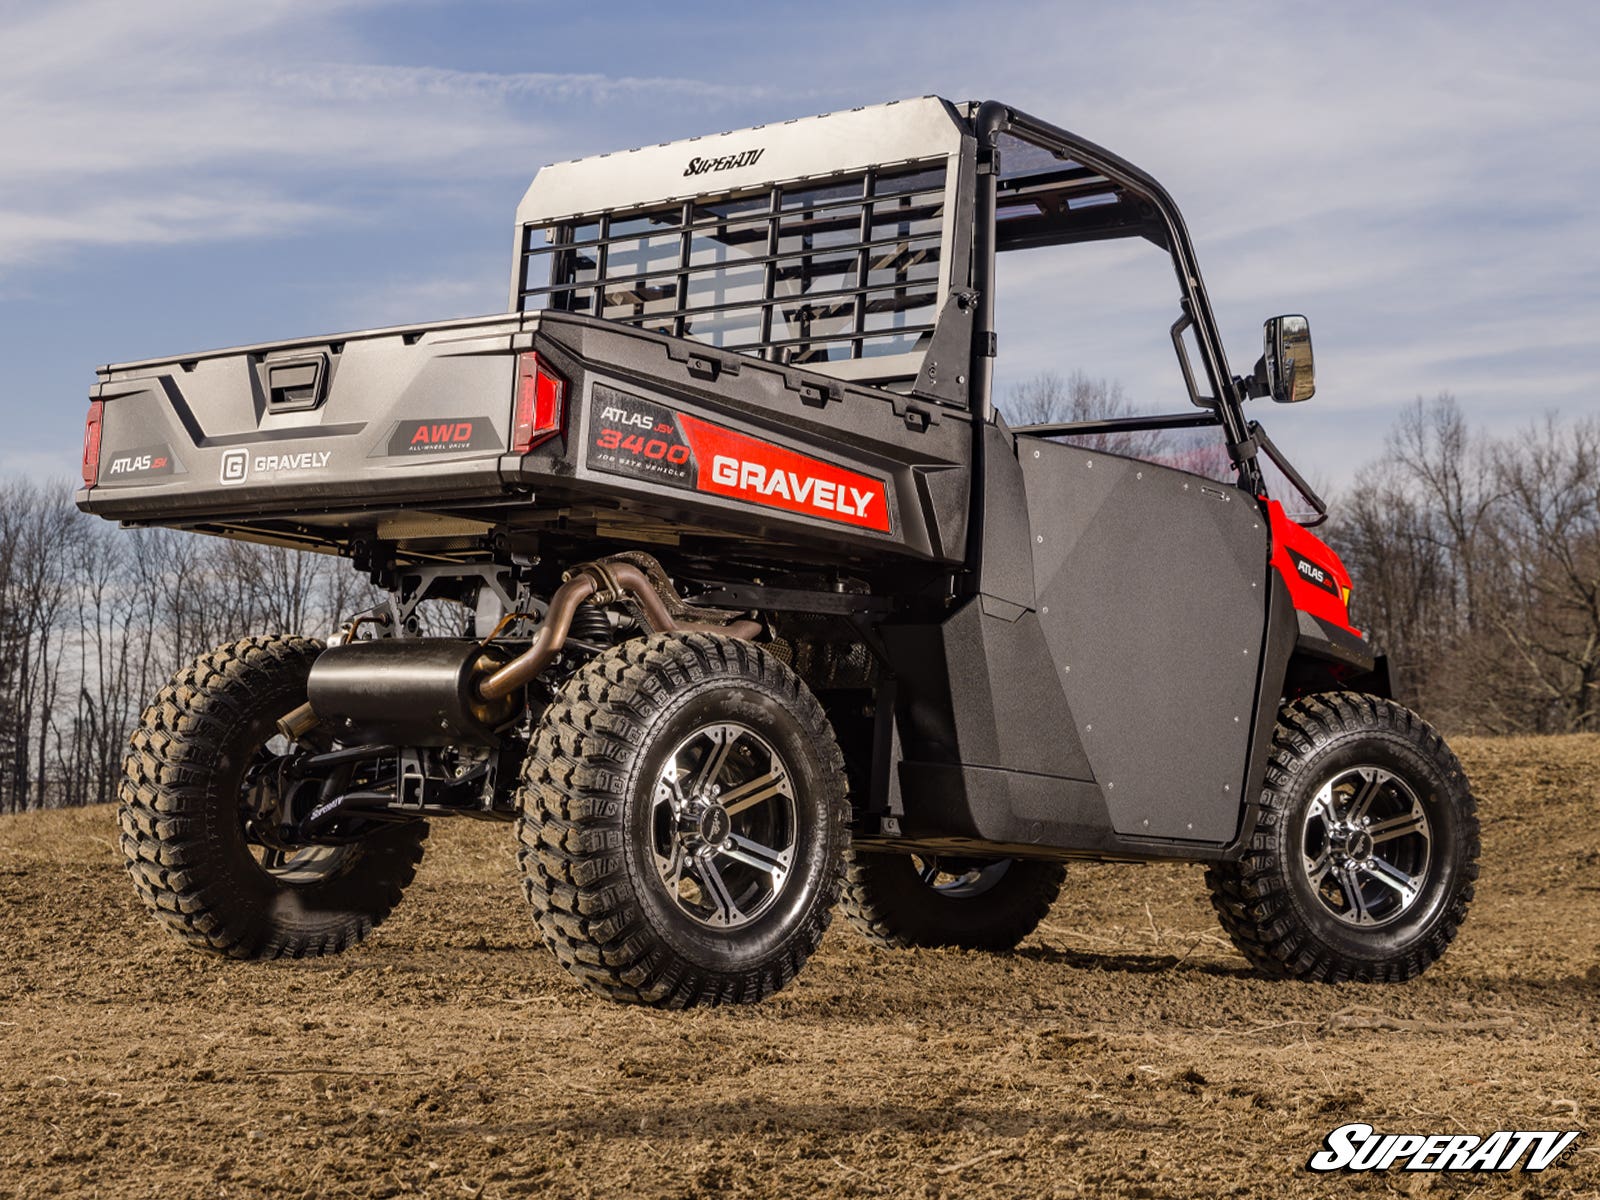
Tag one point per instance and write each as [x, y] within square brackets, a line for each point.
[95, 619]
[1476, 561]
[1476, 558]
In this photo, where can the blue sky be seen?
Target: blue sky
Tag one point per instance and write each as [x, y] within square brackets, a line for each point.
[1420, 180]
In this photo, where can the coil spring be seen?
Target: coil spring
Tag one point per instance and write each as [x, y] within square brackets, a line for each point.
[589, 624]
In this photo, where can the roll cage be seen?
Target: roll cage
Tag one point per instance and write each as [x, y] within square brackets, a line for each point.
[1090, 194]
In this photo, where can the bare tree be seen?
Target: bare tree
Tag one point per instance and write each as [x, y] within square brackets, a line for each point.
[93, 619]
[1049, 398]
[1432, 449]
[1548, 543]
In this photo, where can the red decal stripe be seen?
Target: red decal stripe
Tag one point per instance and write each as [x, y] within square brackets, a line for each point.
[1325, 599]
[745, 468]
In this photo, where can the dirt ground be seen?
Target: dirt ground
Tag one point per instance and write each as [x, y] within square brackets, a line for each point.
[1126, 1050]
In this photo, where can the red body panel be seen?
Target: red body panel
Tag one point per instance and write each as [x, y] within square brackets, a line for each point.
[1318, 583]
[746, 468]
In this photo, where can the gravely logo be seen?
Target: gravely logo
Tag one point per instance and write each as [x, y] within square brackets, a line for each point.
[442, 435]
[636, 437]
[239, 465]
[741, 477]
[747, 468]
[745, 158]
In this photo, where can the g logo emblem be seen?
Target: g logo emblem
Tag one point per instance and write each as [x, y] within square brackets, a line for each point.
[235, 466]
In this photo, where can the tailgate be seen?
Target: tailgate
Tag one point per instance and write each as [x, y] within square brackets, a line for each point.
[387, 418]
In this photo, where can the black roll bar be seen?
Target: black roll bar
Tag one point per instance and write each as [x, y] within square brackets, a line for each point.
[994, 118]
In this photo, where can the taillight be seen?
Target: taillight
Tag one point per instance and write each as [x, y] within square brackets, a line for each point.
[541, 404]
[91, 442]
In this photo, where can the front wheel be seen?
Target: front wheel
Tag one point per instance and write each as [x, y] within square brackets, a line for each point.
[1364, 853]
[683, 822]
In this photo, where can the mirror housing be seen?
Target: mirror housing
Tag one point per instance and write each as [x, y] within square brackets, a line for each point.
[1287, 371]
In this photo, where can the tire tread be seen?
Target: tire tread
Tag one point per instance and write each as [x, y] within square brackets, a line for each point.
[1252, 899]
[571, 828]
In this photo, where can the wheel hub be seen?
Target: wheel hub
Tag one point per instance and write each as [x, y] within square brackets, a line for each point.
[724, 830]
[1358, 845]
[714, 824]
[1367, 846]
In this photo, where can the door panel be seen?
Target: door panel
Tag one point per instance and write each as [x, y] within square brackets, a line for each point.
[1152, 598]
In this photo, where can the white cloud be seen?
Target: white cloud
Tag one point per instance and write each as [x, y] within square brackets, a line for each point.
[175, 120]
[207, 213]
[344, 82]
[1417, 178]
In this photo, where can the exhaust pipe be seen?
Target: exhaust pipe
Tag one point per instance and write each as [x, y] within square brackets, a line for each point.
[475, 685]
[604, 582]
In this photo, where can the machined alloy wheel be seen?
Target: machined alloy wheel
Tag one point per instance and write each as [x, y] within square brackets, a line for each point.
[201, 817]
[899, 901]
[723, 829]
[1367, 846]
[961, 878]
[684, 821]
[260, 815]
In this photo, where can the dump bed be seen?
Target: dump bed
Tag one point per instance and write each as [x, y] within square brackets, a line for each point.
[404, 436]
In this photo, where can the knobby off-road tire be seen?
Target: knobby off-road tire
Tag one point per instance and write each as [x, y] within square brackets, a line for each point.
[899, 901]
[183, 832]
[1353, 779]
[623, 825]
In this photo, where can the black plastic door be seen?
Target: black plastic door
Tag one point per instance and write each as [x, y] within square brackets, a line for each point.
[1151, 592]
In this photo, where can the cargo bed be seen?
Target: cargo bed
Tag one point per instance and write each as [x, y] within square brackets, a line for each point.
[404, 436]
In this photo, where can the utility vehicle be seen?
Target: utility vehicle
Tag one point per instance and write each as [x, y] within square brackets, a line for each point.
[761, 603]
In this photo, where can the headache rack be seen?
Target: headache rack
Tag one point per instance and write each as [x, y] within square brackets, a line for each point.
[846, 268]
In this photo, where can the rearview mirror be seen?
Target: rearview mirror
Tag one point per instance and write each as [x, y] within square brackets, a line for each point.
[1287, 368]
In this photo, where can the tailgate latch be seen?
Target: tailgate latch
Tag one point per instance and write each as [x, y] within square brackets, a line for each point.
[295, 384]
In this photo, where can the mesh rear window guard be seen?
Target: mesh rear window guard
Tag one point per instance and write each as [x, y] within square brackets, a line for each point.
[848, 273]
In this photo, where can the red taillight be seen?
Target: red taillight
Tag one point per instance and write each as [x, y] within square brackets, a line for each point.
[91, 442]
[541, 404]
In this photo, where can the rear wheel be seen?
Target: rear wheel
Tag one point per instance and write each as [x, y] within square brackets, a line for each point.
[904, 900]
[198, 784]
[1363, 858]
[684, 818]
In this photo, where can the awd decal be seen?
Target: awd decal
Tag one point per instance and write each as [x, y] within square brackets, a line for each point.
[1316, 576]
[444, 436]
[143, 463]
[634, 437]
[745, 158]
[239, 465]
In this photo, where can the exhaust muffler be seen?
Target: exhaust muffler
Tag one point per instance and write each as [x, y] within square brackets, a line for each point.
[409, 691]
[443, 691]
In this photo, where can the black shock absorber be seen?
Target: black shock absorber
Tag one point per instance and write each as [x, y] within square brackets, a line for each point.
[589, 624]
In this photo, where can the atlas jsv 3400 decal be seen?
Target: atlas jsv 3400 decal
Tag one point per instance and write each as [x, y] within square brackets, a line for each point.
[639, 438]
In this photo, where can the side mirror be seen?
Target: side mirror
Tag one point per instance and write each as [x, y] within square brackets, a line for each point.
[1287, 371]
